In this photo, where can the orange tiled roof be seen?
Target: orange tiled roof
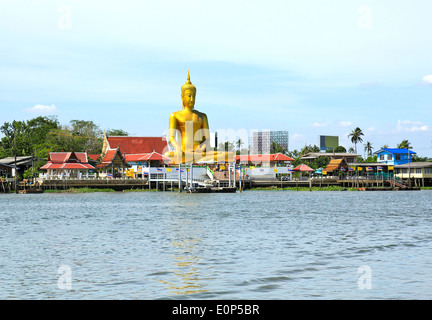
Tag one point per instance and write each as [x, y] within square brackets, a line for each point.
[333, 165]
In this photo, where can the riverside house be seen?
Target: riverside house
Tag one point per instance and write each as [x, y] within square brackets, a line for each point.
[394, 156]
[419, 172]
[67, 165]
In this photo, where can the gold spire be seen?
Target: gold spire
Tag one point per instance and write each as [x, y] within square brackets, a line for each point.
[188, 85]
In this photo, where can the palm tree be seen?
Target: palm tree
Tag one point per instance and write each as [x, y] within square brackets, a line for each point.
[239, 143]
[405, 144]
[356, 137]
[368, 148]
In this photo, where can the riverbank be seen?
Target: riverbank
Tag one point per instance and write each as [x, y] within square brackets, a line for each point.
[325, 188]
[273, 188]
[90, 190]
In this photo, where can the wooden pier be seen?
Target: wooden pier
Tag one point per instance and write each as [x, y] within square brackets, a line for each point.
[215, 186]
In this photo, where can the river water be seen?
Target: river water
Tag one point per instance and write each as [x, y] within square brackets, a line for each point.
[249, 245]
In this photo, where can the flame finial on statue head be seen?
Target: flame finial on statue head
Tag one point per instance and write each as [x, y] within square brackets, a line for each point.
[188, 85]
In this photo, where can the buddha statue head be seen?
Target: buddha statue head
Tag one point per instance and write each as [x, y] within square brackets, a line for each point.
[188, 92]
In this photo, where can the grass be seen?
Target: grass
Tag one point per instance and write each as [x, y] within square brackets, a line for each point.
[271, 188]
[328, 188]
[89, 190]
[80, 190]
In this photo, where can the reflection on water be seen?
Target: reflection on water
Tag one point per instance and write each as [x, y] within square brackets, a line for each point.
[250, 245]
[187, 276]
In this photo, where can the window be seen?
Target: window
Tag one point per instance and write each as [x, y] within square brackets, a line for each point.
[404, 170]
[389, 157]
[382, 157]
[397, 157]
[418, 170]
[428, 170]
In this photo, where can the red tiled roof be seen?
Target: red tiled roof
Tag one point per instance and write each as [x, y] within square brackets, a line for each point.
[62, 157]
[264, 158]
[109, 155]
[134, 157]
[154, 156]
[78, 166]
[136, 145]
[67, 160]
[93, 156]
[303, 167]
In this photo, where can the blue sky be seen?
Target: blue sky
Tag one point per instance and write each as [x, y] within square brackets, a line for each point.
[310, 67]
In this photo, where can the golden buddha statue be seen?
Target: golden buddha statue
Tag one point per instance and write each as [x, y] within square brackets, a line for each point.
[189, 132]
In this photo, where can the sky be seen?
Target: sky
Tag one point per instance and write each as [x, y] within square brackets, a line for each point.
[309, 67]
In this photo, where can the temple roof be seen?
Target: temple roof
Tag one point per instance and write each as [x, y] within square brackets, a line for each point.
[137, 145]
[264, 158]
[67, 160]
[113, 156]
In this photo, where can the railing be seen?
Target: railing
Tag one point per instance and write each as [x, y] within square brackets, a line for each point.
[67, 177]
[210, 173]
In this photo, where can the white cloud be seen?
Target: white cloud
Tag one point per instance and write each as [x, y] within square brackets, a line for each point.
[427, 79]
[40, 108]
[345, 123]
[296, 136]
[411, 126]
[319, 125]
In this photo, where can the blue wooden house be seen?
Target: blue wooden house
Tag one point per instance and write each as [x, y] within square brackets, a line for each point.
[394, 156]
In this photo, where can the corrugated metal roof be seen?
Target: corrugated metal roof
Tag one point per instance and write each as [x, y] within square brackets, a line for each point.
[395, 151]
[414, 165]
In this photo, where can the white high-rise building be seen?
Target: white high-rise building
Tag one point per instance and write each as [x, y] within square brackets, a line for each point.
[262, 140]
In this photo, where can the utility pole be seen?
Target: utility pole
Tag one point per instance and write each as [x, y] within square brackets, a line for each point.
[180, 180]
[409, 168]
[15, 163]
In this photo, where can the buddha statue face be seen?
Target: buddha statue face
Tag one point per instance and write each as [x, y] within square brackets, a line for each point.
[188, 98]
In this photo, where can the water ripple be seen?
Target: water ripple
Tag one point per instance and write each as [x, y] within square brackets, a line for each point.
[253, 245]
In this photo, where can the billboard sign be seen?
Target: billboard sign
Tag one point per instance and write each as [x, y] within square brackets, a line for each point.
[329, 142]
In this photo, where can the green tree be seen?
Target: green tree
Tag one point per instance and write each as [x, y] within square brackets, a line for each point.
[405, 144]
[277, 148]
[340, 149]
[416, 158]
[79, 136]
[368, 148]
[293, 154]
[117, 133]
[320, 162]
[226, 146]
[31, 136]
[308, 149]
[356, 137]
